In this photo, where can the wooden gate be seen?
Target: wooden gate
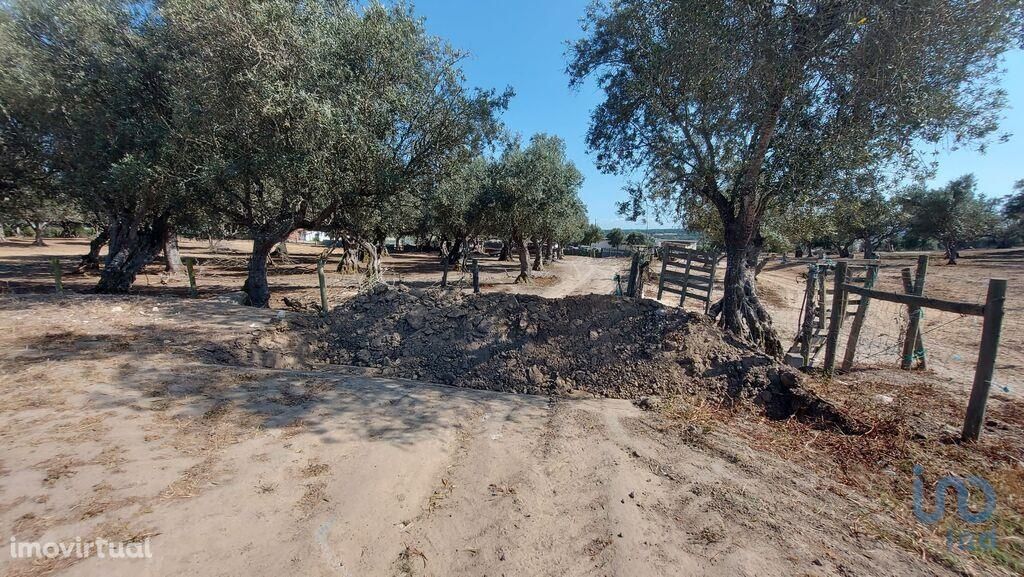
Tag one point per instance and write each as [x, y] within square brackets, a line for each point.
[817, 315]
[688, 273]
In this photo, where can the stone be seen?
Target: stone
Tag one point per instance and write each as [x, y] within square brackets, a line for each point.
[535, 375]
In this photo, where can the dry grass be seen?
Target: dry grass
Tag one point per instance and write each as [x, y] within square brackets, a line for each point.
[915, 428]
[314, 495]
[315, 469]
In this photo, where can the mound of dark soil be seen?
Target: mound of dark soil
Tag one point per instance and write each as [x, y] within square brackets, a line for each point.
[594, 344]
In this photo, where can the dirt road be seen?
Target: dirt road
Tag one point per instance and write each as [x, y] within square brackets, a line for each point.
[113, 427]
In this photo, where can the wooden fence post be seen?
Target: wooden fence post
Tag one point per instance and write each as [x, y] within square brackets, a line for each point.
[661, 278]
[190, 264]
[908, 288]
[323, 285]
[835, 322]
[807, 325]
[711, 285]
[476, 276]
[983, 373]
[822, 274]
[910, 341]
[634, 270]
[858, 319]
[57, 281]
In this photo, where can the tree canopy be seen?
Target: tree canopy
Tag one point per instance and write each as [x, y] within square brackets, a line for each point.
[953, 214]
[741, 106]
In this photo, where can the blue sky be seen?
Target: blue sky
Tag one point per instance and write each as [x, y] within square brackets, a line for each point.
[522, 44]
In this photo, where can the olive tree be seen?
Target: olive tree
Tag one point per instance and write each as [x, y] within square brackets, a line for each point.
[741, 104]
[311, 115]
[953, 214]
[532, 188]
[85, 107]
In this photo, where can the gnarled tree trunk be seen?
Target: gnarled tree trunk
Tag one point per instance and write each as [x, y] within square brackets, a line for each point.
[264, 239]
[952, 254]
[538, 260]
[372, 261]
[456, 252]
[38, 228]
[91, 260]
[133, 245]
[172, 256]
[506, 251]
[524, 261]
[741, 310]
[869, 249]
[348, 263]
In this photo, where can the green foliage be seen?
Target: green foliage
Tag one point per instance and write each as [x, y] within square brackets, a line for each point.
[638, 239]
[953, 214]
[85, 105]
[1013, 206]
[535, 190]
[616, 237]
[591, 234]
[748, 108]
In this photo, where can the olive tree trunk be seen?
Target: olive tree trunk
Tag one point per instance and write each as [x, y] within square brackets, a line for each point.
[91, 260]
[869, 249]
[524, 261]
[538, 260]
[742, 312]
[952, 254]
[373, 261]
[172, 256]
[133, 245]
[506, 251]
[38, 228]
[257, 286]
[348, 263]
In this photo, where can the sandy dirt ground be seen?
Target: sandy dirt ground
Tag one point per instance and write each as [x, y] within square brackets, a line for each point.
[26, 269]
[114, 425]
[234, 471]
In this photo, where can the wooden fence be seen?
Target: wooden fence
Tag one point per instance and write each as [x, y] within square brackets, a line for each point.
[991, 311]
[816, 313]
[687, 273]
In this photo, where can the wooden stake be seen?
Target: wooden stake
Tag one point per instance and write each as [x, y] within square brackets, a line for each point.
[476, 277]
[190, 264]
[910, 340]
[661, 279]
[835, 322]
[807, 325]
[908, 288]
[822, 274]
[711, 284]
[58, 283]
[634, 270]
[858, 320]
[983, 373]
[322, 279]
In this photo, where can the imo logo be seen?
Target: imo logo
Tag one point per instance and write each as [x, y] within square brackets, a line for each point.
[967, 540]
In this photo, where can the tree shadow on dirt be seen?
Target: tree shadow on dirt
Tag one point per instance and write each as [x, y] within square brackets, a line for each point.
[160, 369]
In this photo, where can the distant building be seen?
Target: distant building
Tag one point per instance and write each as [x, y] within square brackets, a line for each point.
[311, 236]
